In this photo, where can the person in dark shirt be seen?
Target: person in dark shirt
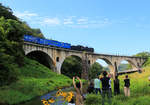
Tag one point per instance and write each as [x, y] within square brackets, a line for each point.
[116, 86]
[126, 86]
[105, 88]
[90, 88]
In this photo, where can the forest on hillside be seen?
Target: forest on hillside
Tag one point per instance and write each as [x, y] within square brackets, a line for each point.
[12, 30]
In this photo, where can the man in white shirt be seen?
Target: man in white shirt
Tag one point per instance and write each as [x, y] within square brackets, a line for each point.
[97, 85]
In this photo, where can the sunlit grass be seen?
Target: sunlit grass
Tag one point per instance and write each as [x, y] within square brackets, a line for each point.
[140, 91]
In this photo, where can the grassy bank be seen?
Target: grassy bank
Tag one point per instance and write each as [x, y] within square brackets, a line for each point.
[140, 91]
[34, 80]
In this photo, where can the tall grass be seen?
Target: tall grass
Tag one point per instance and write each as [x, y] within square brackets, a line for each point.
[140, 91]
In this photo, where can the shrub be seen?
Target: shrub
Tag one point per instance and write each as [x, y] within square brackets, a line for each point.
[93, 99]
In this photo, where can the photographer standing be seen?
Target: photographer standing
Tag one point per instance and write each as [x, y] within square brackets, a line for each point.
[105, 88]
[126, 86]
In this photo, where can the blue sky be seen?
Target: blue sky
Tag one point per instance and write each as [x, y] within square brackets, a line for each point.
[109, 26]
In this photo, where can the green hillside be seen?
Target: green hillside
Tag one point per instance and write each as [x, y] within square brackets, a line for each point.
[34, 80]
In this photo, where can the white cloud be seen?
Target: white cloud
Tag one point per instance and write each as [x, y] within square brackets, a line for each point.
[25, 14]
[99, 23]
[68, 21]
[82, 20]
[85, 22]
[51, 21]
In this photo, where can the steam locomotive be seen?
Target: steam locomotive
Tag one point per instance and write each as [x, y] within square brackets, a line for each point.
[33, 39]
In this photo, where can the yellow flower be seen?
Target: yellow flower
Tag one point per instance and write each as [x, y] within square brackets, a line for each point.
[71, 94]
[68, 99]
[64, 94]
[59, 93]
[45, 102]
[51, 100]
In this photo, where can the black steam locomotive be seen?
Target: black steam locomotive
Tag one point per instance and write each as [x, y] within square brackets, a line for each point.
[82, 48]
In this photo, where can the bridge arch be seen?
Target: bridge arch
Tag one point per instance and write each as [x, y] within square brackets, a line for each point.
[66, 56]
[110, 64]
[131, 62]
[73, 54]
[42, 57]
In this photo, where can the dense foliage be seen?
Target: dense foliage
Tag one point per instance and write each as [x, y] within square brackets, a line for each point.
[7, 12]
[95, 70]
[72, 66]
[123, 67]
[11, 34]
[31, 31]
[145, 55]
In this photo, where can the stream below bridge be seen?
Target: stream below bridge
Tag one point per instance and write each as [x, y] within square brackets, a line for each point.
[37, 101]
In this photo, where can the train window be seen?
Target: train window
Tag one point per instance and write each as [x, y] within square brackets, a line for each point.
[57, 59]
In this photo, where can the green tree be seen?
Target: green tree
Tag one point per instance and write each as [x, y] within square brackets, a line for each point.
[123, 67]
[32, 31]
[72, 66]
[11, 33]
[7, 12]
[145, 55]
[11, 44]
[95, 70]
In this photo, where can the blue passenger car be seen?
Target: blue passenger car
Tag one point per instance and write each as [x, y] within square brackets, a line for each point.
[29, 38]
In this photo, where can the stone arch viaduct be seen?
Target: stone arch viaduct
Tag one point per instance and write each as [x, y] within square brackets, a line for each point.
[56, 57]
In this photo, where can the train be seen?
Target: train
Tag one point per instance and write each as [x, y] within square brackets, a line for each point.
[54, 43]
[82, 48]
